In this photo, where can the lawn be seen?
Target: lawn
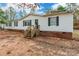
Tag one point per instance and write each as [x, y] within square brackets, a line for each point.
[13, 43]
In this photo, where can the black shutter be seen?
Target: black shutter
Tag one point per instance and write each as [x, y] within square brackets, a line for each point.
[23, 23]
[48, 21]
[30, 23]
[57, 21]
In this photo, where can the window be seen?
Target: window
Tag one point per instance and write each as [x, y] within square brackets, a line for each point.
[15, 23]
[53, 21]
[27, 23]
[6, 24]
[10, 23]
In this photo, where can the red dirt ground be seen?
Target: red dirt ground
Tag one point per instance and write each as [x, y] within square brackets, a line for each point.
[13, 43]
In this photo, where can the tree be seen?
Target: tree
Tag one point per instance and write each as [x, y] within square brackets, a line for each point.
[3, 18]
[28, 6]
[71, 6]
[61, 8]
[22, 13]
[10, 13]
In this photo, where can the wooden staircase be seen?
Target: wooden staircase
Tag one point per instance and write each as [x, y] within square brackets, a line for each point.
[31, 31]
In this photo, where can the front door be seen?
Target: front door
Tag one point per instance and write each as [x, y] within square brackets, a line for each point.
[36, 23]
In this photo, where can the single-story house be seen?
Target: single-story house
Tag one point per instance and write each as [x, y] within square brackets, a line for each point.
[54, 22]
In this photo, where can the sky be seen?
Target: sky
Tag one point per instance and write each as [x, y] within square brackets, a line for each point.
[40, 10]
[43, 6]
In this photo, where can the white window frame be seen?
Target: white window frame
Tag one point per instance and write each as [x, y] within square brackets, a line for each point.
[53, 21]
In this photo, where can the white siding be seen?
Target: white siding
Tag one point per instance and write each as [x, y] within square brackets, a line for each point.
[65, 23]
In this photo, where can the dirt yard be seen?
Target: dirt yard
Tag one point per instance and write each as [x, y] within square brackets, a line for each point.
[14, 44]
[76, 34]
